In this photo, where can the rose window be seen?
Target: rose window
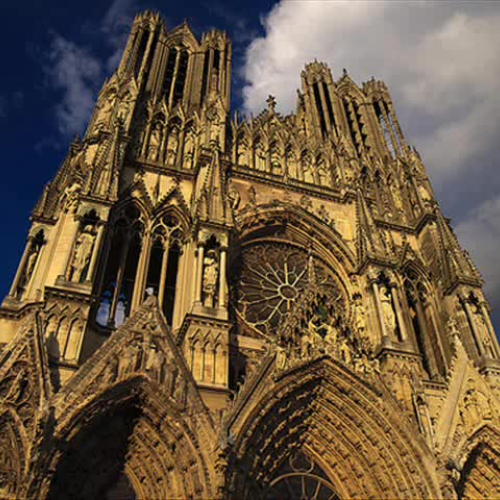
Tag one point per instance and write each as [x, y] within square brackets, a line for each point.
[274, 279]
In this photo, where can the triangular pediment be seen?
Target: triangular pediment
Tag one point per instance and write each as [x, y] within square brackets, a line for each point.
[143, 347]
[25, 385]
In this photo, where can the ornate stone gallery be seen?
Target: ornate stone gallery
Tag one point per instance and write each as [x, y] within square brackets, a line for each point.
[212, 307]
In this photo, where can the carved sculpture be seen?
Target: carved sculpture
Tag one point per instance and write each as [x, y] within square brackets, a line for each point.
[82, 254]
[210, 278]
[259, 370]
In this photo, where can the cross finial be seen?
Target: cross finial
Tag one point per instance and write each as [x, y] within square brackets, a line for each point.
[271, 102]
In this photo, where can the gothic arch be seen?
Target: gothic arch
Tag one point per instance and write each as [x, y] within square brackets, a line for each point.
[13, 453]
[365, 447]
[305, 226]
[160, 451]
[479, 463]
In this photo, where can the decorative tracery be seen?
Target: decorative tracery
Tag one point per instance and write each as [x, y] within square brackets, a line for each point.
[274, 276]
[300, 478]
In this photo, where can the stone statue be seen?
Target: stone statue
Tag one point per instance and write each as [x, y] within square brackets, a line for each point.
[331, 336]
[154, 362]
[281, 358]
[215, 131]
[424, 194]
[83, 253]
[104, 111]
[124, 107]
[388, 311]
[155, 141]
[172, 145]
[31, 263]
[234, 197]
[210, 276]
[345, 351]
[189, 149]
[359, 317]
[305, 344]
[127, 360]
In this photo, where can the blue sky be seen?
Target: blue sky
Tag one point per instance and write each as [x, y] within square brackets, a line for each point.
[438, 58]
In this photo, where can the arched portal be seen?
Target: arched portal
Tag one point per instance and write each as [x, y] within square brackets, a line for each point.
[359, 446]
[95, 463]
[128, 443]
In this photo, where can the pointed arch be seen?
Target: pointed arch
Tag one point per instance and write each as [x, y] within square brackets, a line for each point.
[479, 463]
[128, 431]
[364, 446]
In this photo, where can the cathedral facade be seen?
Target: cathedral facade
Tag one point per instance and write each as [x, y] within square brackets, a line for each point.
[210, 306]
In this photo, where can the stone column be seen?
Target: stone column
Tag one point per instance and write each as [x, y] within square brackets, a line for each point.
[475, 336]
[119, 280]
[399, 313]
[222, 278]
[95, 253]
[491, 331]
[199, 271]
[22, 266]
[141, 272]
[163, 273]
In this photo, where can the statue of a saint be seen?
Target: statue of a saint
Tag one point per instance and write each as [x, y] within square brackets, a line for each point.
[155, 141]
[210, 276]
[189, 149]
[172, 145]
[359, 317]
[154, 363]
[281, 358]
[104, 111]
[82, 255]
[331, 337]
[388, 311]
[127, 360]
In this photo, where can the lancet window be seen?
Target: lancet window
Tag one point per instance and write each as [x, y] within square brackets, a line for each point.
[353, 120]
[164, 263]
[424, 323]
[122, 268]
[388, 127]
[175, 77]
[143, 44]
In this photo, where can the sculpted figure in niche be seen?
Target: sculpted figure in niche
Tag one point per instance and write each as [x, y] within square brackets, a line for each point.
[172, 145]
[154, 363]
[104, 111]
[124, 107]
[424, 194]
[234, 197]
[331, 337]
[388, 311]
[281, 358]
[31, 263]
[345, 351]
[359, 316]
[127, 360]
[260, 158]
[471, 411]
[82, 255]
[210, 276]
[155, 141]
[189, 149]
[215, 135]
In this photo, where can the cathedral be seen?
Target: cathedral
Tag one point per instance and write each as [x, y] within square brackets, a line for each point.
[210, 306]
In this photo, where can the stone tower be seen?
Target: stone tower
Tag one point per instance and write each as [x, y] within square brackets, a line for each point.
[216, 307]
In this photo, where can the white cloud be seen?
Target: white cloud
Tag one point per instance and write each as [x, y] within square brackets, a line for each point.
[78, 72]
[479, 232]
[441, 63]
[437, 57]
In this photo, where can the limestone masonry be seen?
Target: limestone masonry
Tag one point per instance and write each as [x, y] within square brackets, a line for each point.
[212, 307]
